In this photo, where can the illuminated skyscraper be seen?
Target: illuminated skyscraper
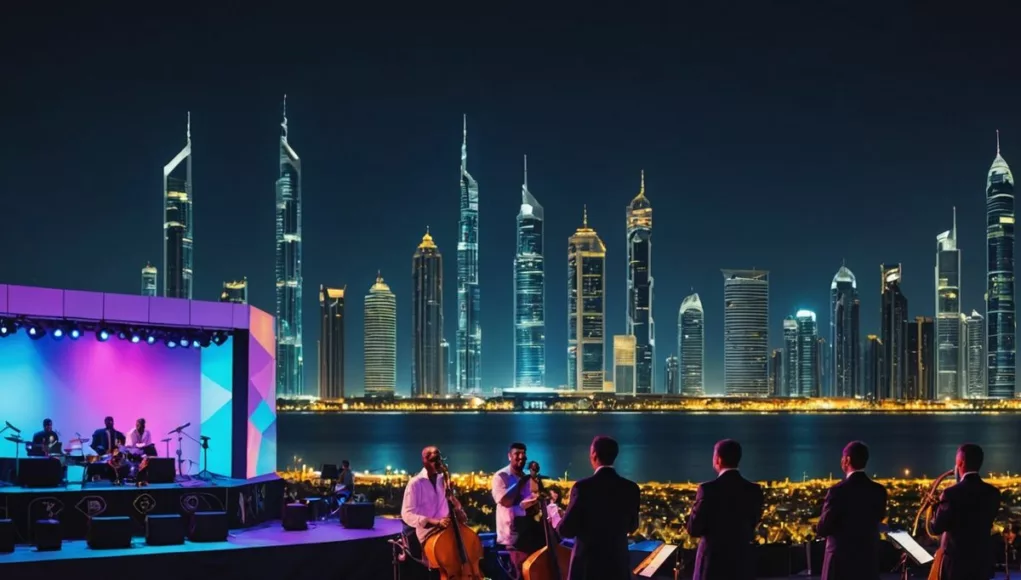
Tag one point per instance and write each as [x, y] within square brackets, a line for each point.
[691, 345]
[894, 315]
[672, 376]
[178, 235]
[808, 354]
[875, 368]
[469, 309]
[331, 343]
[529, 294]
[950, 377]
[1001, 321]
[235, 291]
[380, 340]
[974, 345]
[624, 364]
[149, 274]
[920, 383]
[290, 378]
[427, 365]
[776, 373]
[789, 380]
[845, 338]
[640, 288]
[746, 333]
[586, 309]
[448, 366]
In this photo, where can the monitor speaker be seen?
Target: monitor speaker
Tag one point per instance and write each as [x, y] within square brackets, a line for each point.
[161, 470]
[208, 527]
[109, 532]
[358, 515]
[40, 472]
[164, 530]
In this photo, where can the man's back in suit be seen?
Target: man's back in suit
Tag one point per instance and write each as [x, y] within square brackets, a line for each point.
[850, 520]
[725, 515]
[965, 518]
[602, 512]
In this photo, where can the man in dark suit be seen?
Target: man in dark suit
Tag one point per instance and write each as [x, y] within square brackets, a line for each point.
[105, 439]
[851, 516]
[965, 518]
[602, 512]
[725, 515]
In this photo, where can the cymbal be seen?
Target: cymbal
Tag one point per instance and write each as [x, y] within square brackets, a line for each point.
[14, 438]
[81, 440]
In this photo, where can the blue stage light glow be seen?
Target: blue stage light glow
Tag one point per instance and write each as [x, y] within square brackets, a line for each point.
[103, 335]
[58, 333]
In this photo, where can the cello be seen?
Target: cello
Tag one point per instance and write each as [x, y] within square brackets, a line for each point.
[455, 550]
[552, 561]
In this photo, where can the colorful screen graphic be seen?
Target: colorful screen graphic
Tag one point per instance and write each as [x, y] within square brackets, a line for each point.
[76, 383]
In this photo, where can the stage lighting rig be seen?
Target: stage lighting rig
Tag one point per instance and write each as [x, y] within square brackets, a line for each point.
[7, 327]
[35, 331]
[58, 333]
[220, 337]
[74, 332]
[103, 334]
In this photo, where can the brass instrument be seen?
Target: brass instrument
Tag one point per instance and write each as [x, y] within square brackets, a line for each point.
[929, 502]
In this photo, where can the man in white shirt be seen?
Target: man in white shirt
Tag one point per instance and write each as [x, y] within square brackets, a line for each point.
[425, 503]
[138, 439]
[516, 527]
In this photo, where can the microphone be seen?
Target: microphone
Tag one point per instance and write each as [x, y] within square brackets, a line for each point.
[179, 429]
[12, 427]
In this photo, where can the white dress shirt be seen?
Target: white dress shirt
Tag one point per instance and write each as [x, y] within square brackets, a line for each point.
[502, 481]
[137, 441]
[422, 501]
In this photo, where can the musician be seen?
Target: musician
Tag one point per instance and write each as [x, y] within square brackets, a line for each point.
[512, 492]
[425, 499]
[105, 439]
[346, 488]
[43, 441]
[851, 516]
[725, 514]
[965, 517]
[602, 512]
[138, 439]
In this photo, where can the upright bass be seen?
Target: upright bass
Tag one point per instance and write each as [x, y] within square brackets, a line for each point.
[552, 561]
[456, 550]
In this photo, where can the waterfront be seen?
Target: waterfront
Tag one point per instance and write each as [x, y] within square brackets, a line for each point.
[665, 447]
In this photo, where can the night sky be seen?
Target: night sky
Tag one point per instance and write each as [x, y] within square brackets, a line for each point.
[787, 136]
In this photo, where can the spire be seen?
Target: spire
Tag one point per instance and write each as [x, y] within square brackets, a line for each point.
[997, 142]
[379, 276]
[188, 134]
[641, 191]
[584, 216]
[953, 229]
[283, 124]
[464, 143]
[526, 172]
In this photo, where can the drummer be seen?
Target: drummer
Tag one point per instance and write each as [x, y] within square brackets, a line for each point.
[44, 441]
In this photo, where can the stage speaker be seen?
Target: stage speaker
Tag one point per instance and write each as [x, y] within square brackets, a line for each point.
[47, 535]
[773, 560]
[358, 515]
[6, 536]
[40, 472]
[161, 470]
[164, 530]
[316, 508]
[109, 532]
[296, 517]
[208, 527]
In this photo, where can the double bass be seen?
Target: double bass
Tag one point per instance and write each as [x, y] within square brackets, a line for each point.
[455, 550]
[552, 561]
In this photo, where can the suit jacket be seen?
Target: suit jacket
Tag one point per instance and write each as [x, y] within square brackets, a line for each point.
[602, 512]
[725, 514]
[965, 518]
[851, 515]
[99, 440]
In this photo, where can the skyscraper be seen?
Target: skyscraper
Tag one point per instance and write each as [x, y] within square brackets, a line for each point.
[920, 383]
[776, 373]
[235, 291]
[691, 345]
[624, 364]
[149, 274]
[894, 315]
[448, 366]
[1001, 321]
[586, 309]
[789, 384]
[845, 337]
[808, 354]
[746, 333]
[875, 368]
[380, 340]
[529, 294]
[178, 234]
[949, 356]
[640, 289]
[469, 313]
[975, 356]
[427, 366]
[331, 343]
[290, 377]
[672, 376]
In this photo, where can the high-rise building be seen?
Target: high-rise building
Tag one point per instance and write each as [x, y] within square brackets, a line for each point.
[875, 368]
[845, 337]
[529, 294]
[289, 361]
[691, 345]
[974, 345]
[672, 376]
[149, 274]
[920, 383]
[1001, 312]
[235, 291]
[624, 359]
[807, 374]
[820, 363]
[949, 355]
[380, 340]
[640, 289]
[469, 309]
[178, 233]
[586, 309]
[331, 343]
[776, 373]
[894, 315]
[448, 366]
[746, 333]
[427, 366]
[789, 380]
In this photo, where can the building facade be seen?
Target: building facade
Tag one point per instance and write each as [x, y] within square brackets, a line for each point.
[235, 291]
[427, 366]
[586, 309]
[921, 356]
[845, 335]
[178, 231]
[894, 317]
[875, 368]
[331, 343]
[469, 306]
[289, 360]
[949, 366]
[1001, 312]
[789, 380]
[640, 290]
[691, 345]
[448, 364]
[624, 359]
[974, 345]
[529, 293]
[776, 373]
[807, 374]
[746, 333]
[149, 276]
[380, 341]
[672, 375]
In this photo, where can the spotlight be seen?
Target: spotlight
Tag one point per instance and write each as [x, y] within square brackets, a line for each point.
[103, 334]
[204, 341]
[7, 327]
[35, 332]
[171, 343]
[122, 334]
[219, 338]
[185, 343]
[58, 333]
[150, 339]
[135, 339]
[74, 332]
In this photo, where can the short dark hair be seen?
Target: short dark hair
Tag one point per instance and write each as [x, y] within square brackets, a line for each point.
[729, 452]
[346, 463]
[858, 453]
[606, 449]
[108, 418]
[517, 445]
[973, 456]
[47, 422]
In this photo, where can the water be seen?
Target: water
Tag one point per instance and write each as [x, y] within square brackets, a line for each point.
[654, 447]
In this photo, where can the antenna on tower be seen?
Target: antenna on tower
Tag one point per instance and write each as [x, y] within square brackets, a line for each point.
[584, 216]
[188, 133]
[953, 230]
[997, 141]
[526, 171]
[641, 191]
[283, 124]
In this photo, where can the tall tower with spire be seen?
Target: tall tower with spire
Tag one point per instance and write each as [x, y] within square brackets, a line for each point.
[529, 293]
[427, 367]
[1001, 321]
[845, 335]
[586, 309]
[178, 235]
[469, 310]
[639, 289]
[289, 361]
[950, 357]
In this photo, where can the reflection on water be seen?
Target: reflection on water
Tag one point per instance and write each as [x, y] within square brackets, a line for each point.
[654, 447]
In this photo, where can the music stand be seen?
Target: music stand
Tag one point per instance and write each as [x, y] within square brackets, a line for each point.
[911, 550]
[205, 474]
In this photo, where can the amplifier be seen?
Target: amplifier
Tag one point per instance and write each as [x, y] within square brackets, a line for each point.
[40, 472]
[161, 470]
[358, 515]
